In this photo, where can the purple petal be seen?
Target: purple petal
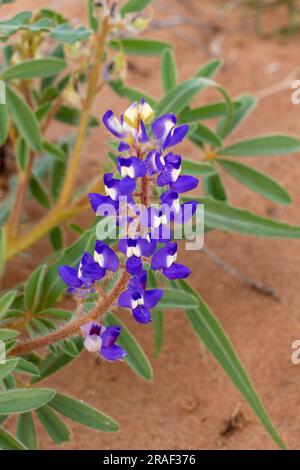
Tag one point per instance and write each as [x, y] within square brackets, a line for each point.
[138, 282]
[127, 186]
[142, 135]
[103, 205]
[69, 276]
[176, 271]
[154, 162]
[184, 183]
[142, 314]
[162, 126]
[187, 210]
[123, 147]
[175, 137]
[152, 297]
[113, 353]
[134, 265]
[110, 335]
[159, 259]
[162, 234]
[91, 270]
[132, 167]
[122, 245]
[86, 329]
[109, 258]
[113, 124]
[125, 299]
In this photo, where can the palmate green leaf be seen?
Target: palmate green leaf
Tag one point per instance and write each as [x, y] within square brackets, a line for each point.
[225, 217]
[67, 34]
[34, 288]
[257, 181]
[209, 111]
[213, 186]
[53, 285]
[8, 27]
[26, 432]
[7, 334]
[22, 153]
[209, 69]
[56, 238]
[8, 367]
[27, 367]
[93, 20]
[23, 400]
[135, 357]
[131, 94]
[24, 119]
[54, 426]
[203, 134]
[6, 301]
[71, 116]
[133, 6]
[144, 47]
[38, 191]
[3, 123]
[35, 68]
[180, 97]
[83, 414]
[246, 104]
[172, 298]
[8, 442]
[158, 327]
[263, 145]
[9, 383]
[52, 364]
[54, 15]
[59, 168]
[57, 314]
[195, 168]
[41, 25]
[211, 333]
[54, 150]
[168, 71]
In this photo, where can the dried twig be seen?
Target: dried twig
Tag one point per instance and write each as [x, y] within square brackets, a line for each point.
[246, 280]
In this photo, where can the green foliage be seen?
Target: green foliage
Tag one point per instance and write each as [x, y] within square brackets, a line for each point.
[135, 357]
[143, 47]
[23, 400]
[24, 119]
[83, 414]
[133, 6]
[26, 432]
[35, 68]
[210, 331]
[44, 88]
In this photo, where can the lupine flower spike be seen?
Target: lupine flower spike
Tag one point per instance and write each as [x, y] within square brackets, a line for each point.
[147, 173]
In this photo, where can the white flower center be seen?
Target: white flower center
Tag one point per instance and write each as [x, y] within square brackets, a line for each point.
[133, 251]
[99, 258]
[92, 343]
[175, 172]
[171, 259]
[136, 303]
[111, 192]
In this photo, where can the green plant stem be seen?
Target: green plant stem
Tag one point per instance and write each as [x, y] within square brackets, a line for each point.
[73, 328]
[62, 210]
[85, 115]
[14, 221]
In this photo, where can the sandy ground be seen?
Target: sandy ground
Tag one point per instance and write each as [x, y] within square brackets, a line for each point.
[190, 398]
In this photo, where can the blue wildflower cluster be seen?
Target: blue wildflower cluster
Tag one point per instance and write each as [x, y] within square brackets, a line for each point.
[149, 172]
